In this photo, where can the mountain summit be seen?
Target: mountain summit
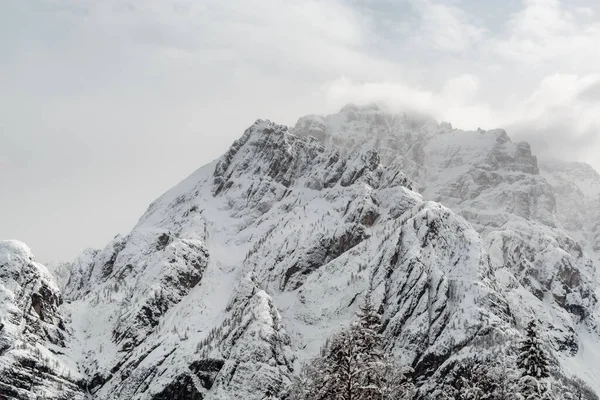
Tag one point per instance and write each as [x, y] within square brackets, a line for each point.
[239, 273]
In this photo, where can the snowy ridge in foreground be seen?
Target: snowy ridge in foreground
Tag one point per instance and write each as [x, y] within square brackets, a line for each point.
[238, 274]
[33, 335]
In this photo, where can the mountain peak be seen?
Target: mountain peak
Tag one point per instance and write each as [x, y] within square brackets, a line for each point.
[368, 107]
[14, 249]
[250, 263]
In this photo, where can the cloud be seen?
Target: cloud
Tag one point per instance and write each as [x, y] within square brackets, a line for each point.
[445, 28]
[591, 92]
[559, 117]
[462, 88]
[465, 73]
[584, 11]
[311, 37]
[5, 165]
[547, 31]
[456, 102]
[97, 95]
[534, 74]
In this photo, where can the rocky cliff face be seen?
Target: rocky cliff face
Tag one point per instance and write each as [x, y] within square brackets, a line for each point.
[480, 174]
[238, 274]
[33, 332]
[539, 228]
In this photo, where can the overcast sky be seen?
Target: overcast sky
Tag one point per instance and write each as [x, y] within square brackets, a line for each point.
[104, 105]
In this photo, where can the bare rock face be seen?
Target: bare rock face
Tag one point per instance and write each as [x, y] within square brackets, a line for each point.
[33, 335]
[238, 274]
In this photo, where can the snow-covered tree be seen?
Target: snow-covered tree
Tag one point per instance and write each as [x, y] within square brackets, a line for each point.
[364, 336]
[446, 392]
[490, 374]
[505, 381]
[314, 382]
[532, 388]
[532, 358]
[354, 366]
[486, 380]
[471, 390]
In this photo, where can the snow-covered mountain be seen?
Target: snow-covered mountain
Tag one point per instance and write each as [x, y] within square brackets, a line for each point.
[577, 190]
[33, 332]
[239, 273]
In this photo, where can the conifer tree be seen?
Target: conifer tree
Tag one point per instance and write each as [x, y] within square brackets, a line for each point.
[354, 366]
[532, 388]
[532, 358]
[369, 353]
[485, 380]
[533, 362]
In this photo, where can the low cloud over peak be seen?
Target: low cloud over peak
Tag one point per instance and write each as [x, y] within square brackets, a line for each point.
[95, 93]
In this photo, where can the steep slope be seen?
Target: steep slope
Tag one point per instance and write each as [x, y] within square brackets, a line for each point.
[33, 335]
[306, 222]
[239, 273]
[480, 174]
[495, 184]
[164, 295]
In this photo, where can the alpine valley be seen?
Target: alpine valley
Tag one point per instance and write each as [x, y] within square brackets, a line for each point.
[238, 275]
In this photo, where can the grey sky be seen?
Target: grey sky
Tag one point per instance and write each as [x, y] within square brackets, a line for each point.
[104, 105]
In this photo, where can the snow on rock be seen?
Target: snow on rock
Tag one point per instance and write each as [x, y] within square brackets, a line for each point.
[77, 274]
[238, 274]
[61, 271]
[482, 174]
[33, 335]
[531, 222]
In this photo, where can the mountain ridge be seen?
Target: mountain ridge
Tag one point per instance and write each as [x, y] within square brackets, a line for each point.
[239, 257]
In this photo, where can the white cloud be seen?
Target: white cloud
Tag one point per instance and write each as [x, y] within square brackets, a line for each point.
[559, 117]
[554, 43]
[446, 28]
[456, 102]
[462, 88]
[546, 31]
[322, 37]
[584, 11]
[177, 81]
